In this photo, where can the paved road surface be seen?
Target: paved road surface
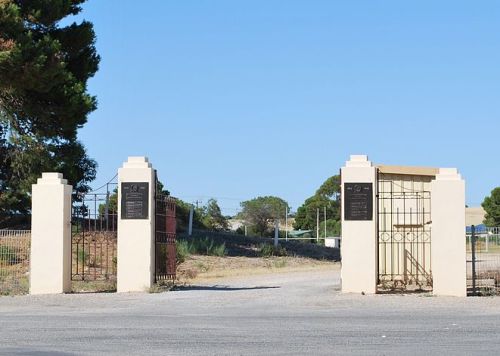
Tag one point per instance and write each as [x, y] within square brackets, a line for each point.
[281, 314]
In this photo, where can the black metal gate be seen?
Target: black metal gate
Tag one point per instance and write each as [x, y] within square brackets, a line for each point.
[94, 237]
[404, 233]
[165, 237]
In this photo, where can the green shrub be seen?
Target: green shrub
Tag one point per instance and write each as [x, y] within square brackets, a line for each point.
[207, 246]
[182, 250]
[268, 250]
[8, 255]
[219, 250]
[200, 246]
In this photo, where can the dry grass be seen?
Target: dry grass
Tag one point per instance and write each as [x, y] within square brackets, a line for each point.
[14, 262]
[200, 268]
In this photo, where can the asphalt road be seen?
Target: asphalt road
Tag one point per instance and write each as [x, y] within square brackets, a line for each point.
[281, 314]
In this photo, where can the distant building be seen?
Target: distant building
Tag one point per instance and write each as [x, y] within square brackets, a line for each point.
[474, 216]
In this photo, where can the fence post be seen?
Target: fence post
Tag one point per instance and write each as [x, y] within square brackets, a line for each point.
[50, 256]
[473, 251]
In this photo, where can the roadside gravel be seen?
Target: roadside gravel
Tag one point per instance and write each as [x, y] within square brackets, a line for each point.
[292, 313]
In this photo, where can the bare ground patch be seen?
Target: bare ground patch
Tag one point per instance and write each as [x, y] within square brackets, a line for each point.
[209, 268]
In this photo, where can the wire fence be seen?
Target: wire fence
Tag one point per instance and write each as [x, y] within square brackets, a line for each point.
[14, 261]
[483, 261]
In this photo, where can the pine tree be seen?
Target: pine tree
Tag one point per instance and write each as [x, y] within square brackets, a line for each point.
[44, 68]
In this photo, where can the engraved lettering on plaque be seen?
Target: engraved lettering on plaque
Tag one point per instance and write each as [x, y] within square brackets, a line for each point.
[134, 200]
[358, 201]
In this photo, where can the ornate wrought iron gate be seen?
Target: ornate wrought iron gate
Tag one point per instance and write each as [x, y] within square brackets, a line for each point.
[93, 237]
[165, 237]
[404, 232]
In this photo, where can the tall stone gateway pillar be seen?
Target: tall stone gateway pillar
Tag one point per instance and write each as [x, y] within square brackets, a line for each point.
[136, 225]
[359, 228]
[448, 234]
[50, 256]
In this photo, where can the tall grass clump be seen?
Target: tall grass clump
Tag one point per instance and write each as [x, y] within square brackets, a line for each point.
[199, 246]
[268, 250]
[182, 250]
[207, 246]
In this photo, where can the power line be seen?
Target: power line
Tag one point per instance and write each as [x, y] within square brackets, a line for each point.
[105, 184]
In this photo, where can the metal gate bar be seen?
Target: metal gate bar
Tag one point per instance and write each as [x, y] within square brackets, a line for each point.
[404, 233]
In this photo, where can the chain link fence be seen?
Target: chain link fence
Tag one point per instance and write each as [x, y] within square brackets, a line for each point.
[14, 261]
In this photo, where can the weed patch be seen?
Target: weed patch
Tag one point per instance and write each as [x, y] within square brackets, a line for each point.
[182, 251]
[162, 286]
[279, 263]
[199, 246]
[268, 250]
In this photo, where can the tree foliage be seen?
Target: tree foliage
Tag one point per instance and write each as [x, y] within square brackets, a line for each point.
[260, 212]
[213, 218]
[491, 205]
[327, 196]
[44, 69]
[332, 228]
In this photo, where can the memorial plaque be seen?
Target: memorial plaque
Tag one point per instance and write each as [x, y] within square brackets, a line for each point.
[358, 201]
[135, 200]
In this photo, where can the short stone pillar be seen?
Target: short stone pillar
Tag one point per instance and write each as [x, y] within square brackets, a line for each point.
[50, 256]
[448, 234]
[359, 228]
[136, 225]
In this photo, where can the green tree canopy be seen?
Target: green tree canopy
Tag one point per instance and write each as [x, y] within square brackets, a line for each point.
[213, 218]
[44, 68]
[262, 211]
[332, 228]
[327, 196]
[491, 205]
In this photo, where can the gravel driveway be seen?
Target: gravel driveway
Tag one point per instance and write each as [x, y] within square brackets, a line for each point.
[279, 314]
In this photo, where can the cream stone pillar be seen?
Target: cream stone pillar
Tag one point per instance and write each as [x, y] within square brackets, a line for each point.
[136, 225]
[448, 234]
[50, 256]
[359, 239]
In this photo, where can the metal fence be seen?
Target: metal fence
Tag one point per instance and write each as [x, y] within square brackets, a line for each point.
[483, 261]
[14, 261]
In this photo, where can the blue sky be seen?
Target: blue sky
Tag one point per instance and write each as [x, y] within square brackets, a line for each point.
[236, 99]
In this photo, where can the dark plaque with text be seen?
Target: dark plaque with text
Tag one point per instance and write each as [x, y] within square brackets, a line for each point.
[358, 201]
[135, 200]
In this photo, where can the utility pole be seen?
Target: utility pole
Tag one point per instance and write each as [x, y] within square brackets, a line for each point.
[317, 225]
[191, 213]
[286, 223]
[276, 232]
[325, 222]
